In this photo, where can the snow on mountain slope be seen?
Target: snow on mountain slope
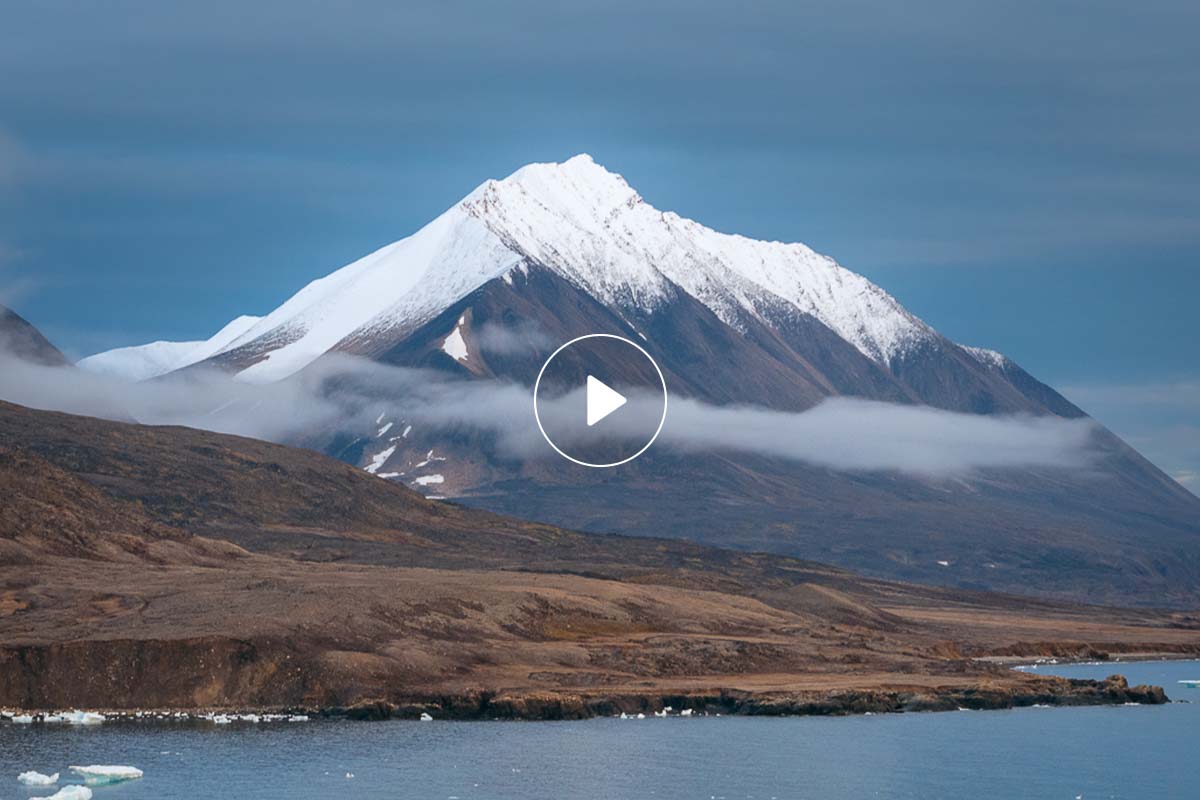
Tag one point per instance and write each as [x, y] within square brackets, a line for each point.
[585, 223]
[989, 358]
[404, 283]
[589, 224]
[158, 358]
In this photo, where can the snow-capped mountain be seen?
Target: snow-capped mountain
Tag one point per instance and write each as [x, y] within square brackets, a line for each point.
[576, 219]
[555, 251]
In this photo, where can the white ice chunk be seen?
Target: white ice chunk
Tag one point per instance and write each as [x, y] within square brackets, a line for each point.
[73, 792]
[77, 717]
[425, 717]
[100, 774]
[32, 778]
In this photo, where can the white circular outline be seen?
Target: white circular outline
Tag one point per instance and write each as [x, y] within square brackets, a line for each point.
[537, 385]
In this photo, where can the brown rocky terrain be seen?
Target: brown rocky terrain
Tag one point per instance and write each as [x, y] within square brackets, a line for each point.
[176, 568]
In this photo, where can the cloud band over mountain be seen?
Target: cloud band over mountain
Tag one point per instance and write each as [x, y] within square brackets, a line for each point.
[346, 393]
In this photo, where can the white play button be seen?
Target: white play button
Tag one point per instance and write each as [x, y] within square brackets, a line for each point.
[560, 411]
[601, 400]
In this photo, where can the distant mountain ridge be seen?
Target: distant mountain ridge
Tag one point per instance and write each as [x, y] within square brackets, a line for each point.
[158, 358]
[567, 249]
[23, 340]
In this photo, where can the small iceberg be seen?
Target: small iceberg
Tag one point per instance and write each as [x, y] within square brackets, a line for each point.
[687, 712]
[21, 719]
[76, 717]
[1192, 684]
[32, 778]
[100, 775]
[73, 792]
[425, 717]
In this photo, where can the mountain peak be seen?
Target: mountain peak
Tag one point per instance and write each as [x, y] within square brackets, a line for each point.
[588, 225]
[575, 188]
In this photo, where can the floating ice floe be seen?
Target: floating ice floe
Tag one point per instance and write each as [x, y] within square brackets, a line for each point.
[32, 778]
[101, 774]
[226, 719]
[73, 792]
[425, 717]
[76, 717]
[22, 719]
[687, 712]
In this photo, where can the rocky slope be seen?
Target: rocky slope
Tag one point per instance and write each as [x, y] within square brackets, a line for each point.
[169, 567]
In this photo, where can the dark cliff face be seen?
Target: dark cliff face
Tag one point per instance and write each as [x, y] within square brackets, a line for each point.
[22, 340]
[1122, 532]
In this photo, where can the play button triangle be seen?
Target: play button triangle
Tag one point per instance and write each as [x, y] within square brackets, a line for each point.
[601, 400]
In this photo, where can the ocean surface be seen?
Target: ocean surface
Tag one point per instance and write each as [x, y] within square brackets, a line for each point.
[1061, 753]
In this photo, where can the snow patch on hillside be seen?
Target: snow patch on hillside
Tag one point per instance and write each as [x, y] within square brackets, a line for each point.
[379, 459]
[454, 345]
[427, 480]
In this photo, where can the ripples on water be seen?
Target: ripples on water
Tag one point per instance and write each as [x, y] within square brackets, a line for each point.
[1124, 752]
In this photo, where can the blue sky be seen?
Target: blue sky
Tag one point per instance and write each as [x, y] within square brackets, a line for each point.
[1024, 176]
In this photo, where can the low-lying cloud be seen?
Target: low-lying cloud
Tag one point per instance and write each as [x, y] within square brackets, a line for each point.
[517, 339]
[347, 395]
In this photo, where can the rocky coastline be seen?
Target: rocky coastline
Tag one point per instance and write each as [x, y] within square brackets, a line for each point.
[548, 706]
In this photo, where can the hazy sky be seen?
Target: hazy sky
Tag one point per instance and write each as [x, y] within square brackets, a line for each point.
[1024, 176]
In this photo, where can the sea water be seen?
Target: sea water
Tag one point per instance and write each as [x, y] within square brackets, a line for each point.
[1135, 752]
